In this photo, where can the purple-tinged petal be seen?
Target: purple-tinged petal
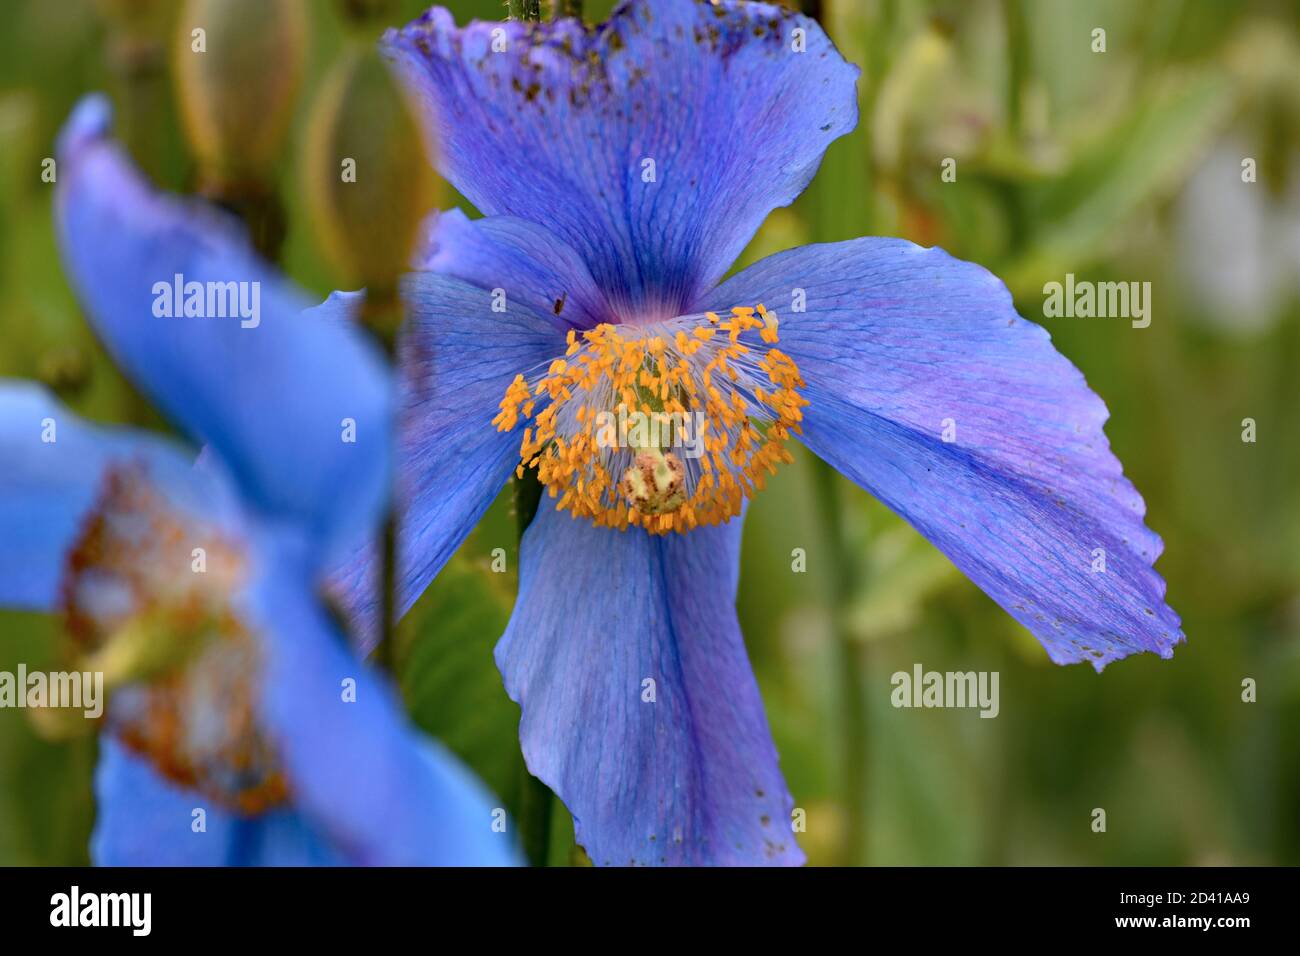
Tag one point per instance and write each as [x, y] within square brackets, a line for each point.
[379, 790]
[532, 268]
[457, 359]
[271, 385]
[560, 128]
[52, 470]
[687, 777]
[904, 347]
[145, 820]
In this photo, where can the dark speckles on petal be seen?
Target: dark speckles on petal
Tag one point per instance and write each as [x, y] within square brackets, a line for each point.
[554, 127]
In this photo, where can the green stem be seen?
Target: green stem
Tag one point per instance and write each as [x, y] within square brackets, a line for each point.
[851, 664]
[258, 204]
[1017, 64]
[381, 314]
[528, 495]
[529, 10]
[536, 803]
[137, 65]
[566, 8]
[137, 62]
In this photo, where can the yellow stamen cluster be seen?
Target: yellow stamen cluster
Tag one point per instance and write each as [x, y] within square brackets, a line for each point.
[184, 665]
[736, 403]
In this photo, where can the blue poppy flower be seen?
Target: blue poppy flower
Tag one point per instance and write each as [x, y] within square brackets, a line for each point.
[194, 584]
[621, 169]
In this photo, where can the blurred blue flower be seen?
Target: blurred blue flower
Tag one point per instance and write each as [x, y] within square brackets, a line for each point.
[195, 583]
[621, 170]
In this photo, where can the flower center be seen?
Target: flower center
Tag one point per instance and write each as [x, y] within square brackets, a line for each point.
[147, 595]
[665, 426]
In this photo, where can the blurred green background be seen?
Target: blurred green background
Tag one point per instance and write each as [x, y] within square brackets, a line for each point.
[1122, 165]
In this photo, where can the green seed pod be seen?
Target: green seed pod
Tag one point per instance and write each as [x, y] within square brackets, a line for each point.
[369, 176]
[238, 66]
[363, 11]
[66, 370]
[132, 19]
[135, 52]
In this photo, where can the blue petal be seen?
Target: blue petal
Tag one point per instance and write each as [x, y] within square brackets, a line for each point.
[556, 129]
[144, 820]
[690, 778]
[899, 342]
[535, 270]
[457, 358]
[48, 487]
[382, 791]
[271, 398]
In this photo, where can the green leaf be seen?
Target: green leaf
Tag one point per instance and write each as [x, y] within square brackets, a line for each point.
[46, 806]
[1139, 160]
[904, 571]
[449, 679]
